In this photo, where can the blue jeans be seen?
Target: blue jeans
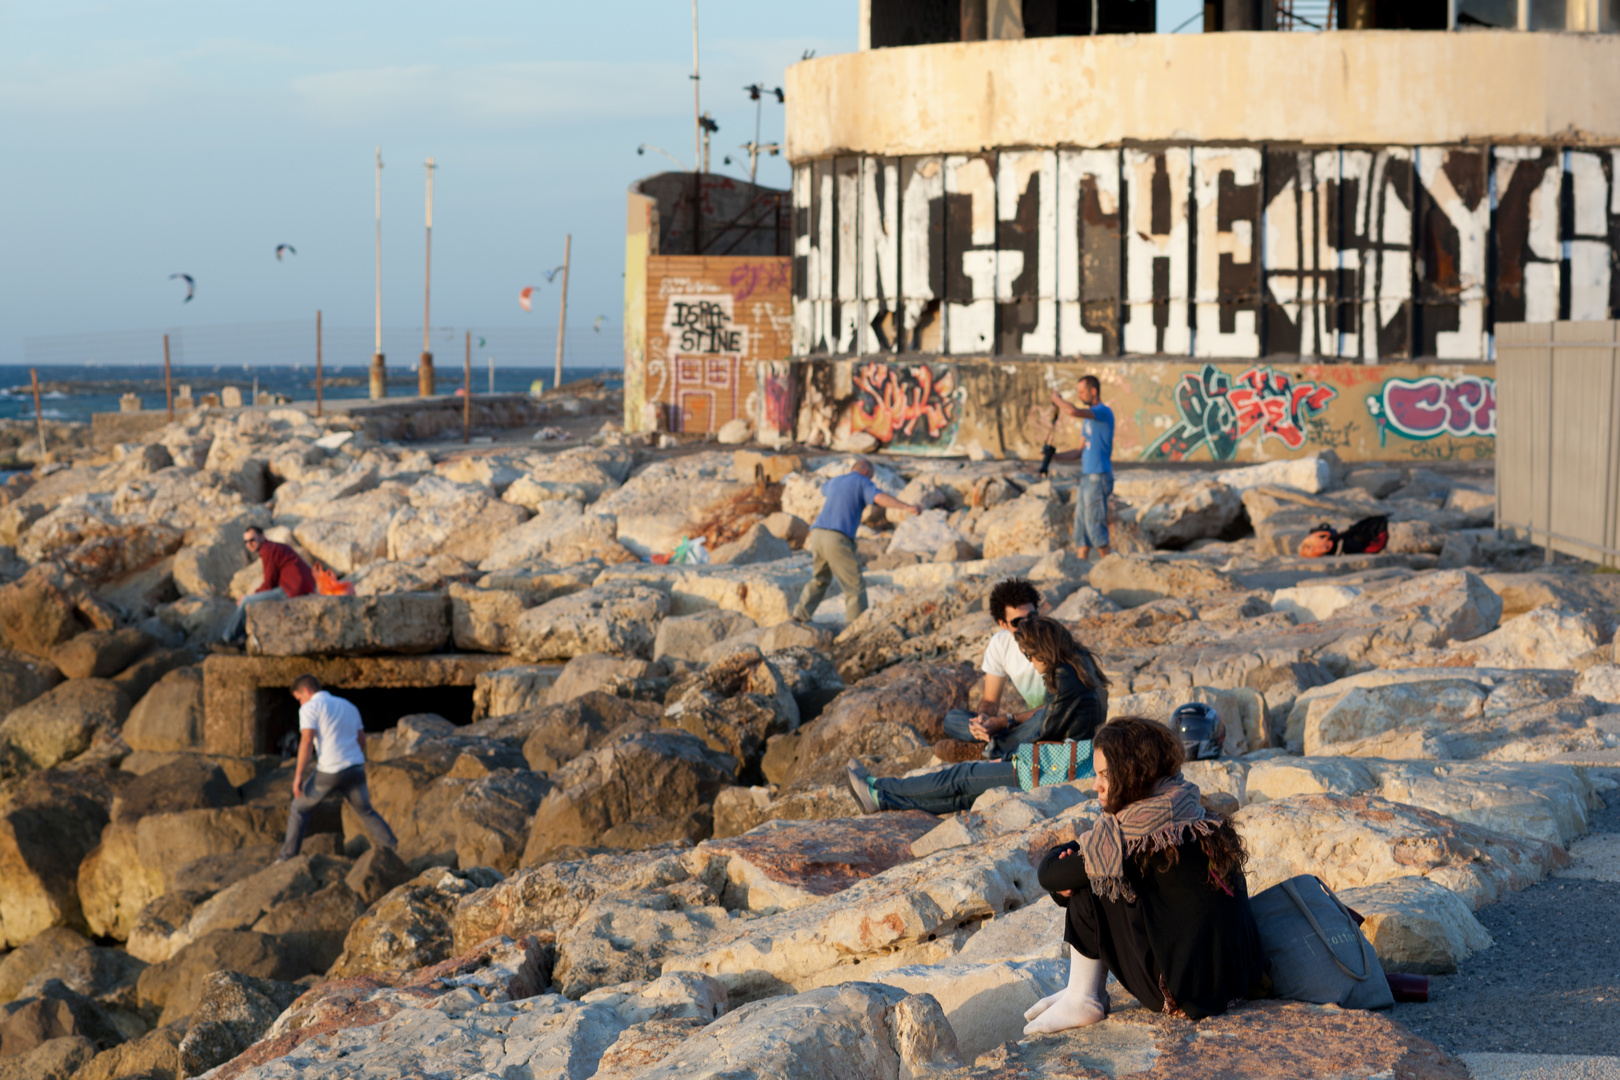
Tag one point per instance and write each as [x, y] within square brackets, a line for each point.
[947, 790]
[1006, 740]
[1091, 509]
[236, 629]
[351, 784]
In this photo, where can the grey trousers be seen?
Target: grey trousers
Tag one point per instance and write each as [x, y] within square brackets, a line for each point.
[351, 784]
[834, 556]
[236, 629]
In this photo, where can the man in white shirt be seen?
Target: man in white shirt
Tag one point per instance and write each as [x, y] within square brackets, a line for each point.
[330, 731]
[1011, 601]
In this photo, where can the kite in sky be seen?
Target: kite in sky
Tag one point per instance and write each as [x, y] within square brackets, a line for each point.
[288, 248]
[552, 273]
[525, 298]
[191, 286]
[597, 326]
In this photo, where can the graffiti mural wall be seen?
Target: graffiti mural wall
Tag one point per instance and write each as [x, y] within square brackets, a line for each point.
[1224, 252]
[709, 320]
[1164, 410]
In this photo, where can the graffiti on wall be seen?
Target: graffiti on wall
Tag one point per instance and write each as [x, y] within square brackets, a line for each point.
[907, 405]
[1212, 251]
[1433, 406]
[705, 347]
[1218, 411]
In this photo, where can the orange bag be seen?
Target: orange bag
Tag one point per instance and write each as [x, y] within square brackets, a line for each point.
[327, 583]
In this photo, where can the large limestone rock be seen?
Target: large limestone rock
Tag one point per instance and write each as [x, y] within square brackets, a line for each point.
[1242, 710]
[918, 912]
[1133, 580]
[559, 733]
[1601, 682]
[465, 523]
[600, 672]
[1313, 473]
[245, 903]
[734, 705]
[97, 549]
[637, 790]
[755, 545]
[624, 937]
[410, 926]
[615, 618]
[169, 717]
[100, 654]
[60, 1058]
[1351, 841]
[23, 678]
[560, 534]
[1174, 509]
[135, 864]
[689, 637]
[54, 1013]
[60, 724]
[1029, 525]
[1543, 638]
[174, 986]
[912, 625]
[889, 721]
[349, 625]
[859, 1031]
[1373, 710]
[40, 953]
[1417, 925]
[48, 823]
[46, 607]
[511, 690]
[211, 557]
[924, 534]
[789, 864]
[233, 1011]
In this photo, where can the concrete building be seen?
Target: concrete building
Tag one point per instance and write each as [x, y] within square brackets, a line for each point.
[988, 192]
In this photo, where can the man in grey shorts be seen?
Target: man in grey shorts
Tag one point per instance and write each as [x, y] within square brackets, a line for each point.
[329, 731]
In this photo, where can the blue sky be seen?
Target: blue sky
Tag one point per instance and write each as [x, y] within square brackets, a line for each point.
[152, 137]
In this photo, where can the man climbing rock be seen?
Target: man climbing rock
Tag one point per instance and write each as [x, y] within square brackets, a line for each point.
[832, 540]
[331, 732]
[1095, 455]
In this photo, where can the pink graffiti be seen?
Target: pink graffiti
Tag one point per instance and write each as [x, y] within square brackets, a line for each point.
[1272, 401]
[1430, 406]
[771, 274]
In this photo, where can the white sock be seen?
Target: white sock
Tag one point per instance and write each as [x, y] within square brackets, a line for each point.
[1084, 1001]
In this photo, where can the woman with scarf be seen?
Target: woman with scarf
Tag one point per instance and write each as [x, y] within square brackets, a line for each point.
[1154, 892]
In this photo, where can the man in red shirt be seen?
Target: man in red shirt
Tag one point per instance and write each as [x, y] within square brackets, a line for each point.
[286, 575]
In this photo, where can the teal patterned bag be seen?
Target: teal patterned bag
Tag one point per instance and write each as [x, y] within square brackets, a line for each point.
[1046, 764]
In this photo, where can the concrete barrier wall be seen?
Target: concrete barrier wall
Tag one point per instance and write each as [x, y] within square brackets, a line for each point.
[1164, 410]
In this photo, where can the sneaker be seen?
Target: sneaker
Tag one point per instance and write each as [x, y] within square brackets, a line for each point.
[860, 783]
[958, 750]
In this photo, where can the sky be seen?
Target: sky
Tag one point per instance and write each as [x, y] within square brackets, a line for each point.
[152, 137]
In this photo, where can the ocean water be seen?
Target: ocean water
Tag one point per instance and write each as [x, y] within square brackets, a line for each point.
[75, 391]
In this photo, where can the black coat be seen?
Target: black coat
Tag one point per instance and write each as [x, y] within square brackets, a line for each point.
[1073, 709]
[1182, 935]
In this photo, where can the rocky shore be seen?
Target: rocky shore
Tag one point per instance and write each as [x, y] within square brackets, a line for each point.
[630, 853]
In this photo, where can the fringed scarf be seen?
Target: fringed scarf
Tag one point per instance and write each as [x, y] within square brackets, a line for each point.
[1167, 818]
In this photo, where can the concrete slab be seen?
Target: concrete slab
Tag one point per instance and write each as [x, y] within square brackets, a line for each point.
[1541, 1067]
[1594, 858]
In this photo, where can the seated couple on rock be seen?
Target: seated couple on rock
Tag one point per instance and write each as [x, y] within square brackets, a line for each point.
[1154, 892]
[1073, 689]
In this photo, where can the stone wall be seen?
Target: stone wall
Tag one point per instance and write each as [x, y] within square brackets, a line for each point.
[1164, 410]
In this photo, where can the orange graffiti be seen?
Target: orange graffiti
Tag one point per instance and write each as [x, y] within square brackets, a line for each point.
[893, 399]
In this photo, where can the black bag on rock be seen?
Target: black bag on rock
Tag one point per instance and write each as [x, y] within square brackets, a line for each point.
[1316, 948]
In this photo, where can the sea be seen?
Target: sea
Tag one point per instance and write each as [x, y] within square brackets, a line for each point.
[72, 392]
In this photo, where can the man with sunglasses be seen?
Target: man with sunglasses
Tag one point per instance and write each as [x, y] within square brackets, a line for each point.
[286, 575]
[969, 735]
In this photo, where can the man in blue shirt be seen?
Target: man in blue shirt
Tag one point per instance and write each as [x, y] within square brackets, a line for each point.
[1095, 455]
[832, 540]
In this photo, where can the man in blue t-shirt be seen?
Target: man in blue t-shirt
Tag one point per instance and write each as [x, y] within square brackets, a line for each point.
[832, 540]
[1095, 455]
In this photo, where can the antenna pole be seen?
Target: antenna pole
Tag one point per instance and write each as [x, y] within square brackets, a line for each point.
[424, 372]
[379, 368]
[562, 314]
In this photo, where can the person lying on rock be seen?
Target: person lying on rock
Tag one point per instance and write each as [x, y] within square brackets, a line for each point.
[990, 733]
[330, 731]
[1074, 710]
[832, 540]
[1155, 891]
[286, 575]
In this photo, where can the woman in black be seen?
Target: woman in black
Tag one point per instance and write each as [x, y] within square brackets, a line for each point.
[1076, 690]
[1154, 892]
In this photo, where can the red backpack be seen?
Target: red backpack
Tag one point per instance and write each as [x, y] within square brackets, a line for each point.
[1368, 536]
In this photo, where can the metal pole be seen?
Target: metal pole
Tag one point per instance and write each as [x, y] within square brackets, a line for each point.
[562, 313]
[1522, 16]
[424, 371]
[379, 366]
[318, 371]
[168, 381]
[492, 374]
[466, 393]
[39, 418]
[1451, 14]
[697, 102]
[753, 150]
